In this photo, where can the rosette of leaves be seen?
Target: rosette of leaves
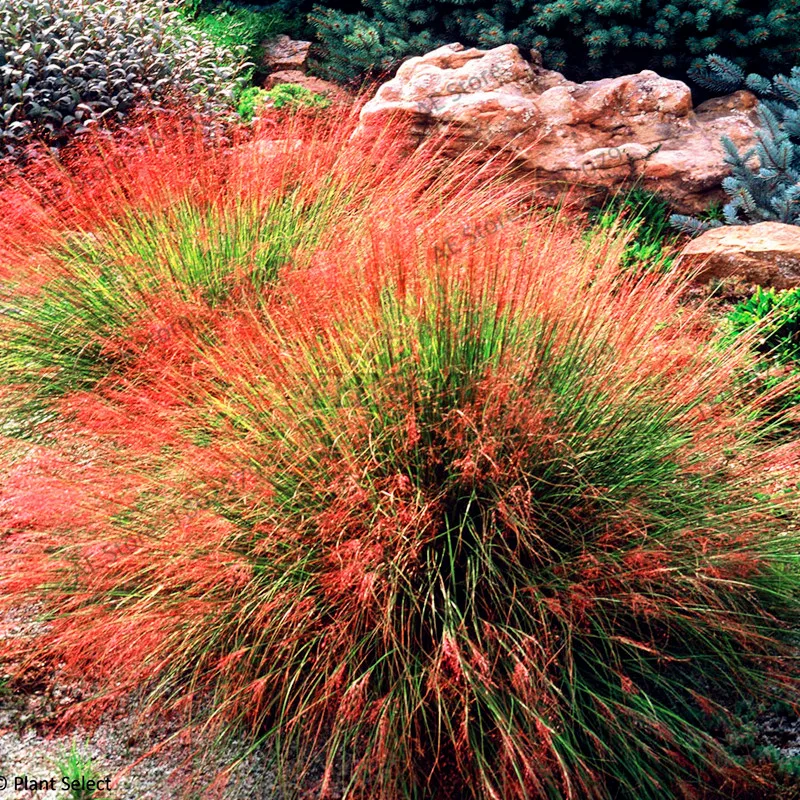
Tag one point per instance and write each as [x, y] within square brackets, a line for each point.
[65, 64]
[764, 183]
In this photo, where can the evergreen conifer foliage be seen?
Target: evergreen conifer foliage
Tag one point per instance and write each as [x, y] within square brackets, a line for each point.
[588, 38]
[764, 183]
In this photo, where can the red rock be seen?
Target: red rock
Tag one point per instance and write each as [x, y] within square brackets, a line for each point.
[591, 138]
[767, 254]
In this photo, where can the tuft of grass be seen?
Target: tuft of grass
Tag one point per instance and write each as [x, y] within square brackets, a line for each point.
[62, 338]
[491, 520]
[74, 766]
[96, 250]
[495, 503]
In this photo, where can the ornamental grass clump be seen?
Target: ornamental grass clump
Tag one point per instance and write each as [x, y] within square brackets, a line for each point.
[515, 541]
[497, 523]
[97, 244]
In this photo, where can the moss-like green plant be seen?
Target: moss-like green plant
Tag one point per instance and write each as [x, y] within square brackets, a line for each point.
[250, 101]
[777, 313]
[292, 95]
[284, 95]
[771, 319]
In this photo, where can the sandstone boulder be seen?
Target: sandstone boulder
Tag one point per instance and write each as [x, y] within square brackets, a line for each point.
[286, 53]
[767, 254]
[590, 138]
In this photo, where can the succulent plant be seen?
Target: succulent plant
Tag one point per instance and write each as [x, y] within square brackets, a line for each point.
[66, 64]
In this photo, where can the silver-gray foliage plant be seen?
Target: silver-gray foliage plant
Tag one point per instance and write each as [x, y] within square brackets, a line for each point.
[66, 64]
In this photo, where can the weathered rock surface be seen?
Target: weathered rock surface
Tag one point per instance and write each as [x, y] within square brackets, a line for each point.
[318, 85]
[589, 137]
[767, 254]
[286, 53]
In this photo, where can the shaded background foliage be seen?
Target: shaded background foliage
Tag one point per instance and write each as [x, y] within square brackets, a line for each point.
[585, 39]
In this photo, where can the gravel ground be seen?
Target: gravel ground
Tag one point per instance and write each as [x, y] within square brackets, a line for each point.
[780, 731]
[159, 777]
[118, 748]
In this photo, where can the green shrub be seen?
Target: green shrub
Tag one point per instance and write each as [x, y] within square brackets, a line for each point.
[593, 39]
[773, 318]
[65, 64]
[158, 223]
[284, 95]
[105, 280]
[294, 96]
[250, 100]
